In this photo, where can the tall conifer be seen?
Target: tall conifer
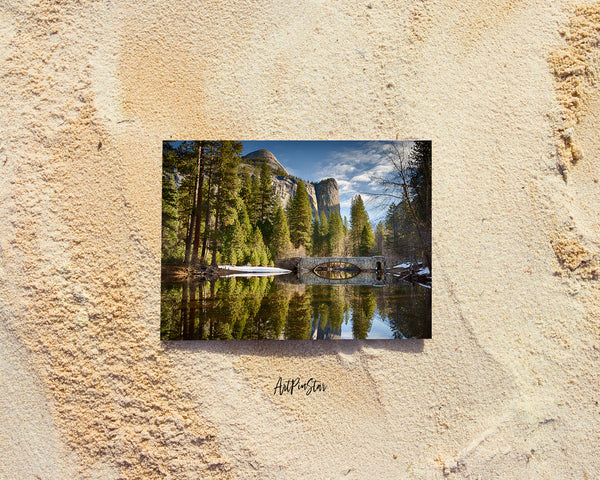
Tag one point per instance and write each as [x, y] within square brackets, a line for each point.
[336, 234]
[358, 219]
[281, 233]
[301, 218]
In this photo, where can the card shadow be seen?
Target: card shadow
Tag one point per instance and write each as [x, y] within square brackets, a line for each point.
[293, 348]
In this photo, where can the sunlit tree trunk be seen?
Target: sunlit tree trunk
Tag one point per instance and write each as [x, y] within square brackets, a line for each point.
[207, 218]
[215, 234]
[196, 214]
[191, 224]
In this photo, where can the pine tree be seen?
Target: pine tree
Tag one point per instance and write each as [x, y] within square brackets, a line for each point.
[210, 174]
[253, 201]
[179, 176]
[301, 218]
[246, 230]
[379, 238]
[421, 185]
[232, 243]
[336, 234]
[196, 215]
[266, 194]
[323, 235]
[393, 225]
[315, 240]
[288, 209]
[226, 184]
[401, 235]
[358, 219]
[280, 243]
[367, 240]
[171, 246]
[246, 180]
[259, 255]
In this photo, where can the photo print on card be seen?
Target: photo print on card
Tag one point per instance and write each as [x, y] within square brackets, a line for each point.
[296, 240]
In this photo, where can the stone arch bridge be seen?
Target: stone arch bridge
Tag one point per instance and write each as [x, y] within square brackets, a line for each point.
[365, 264]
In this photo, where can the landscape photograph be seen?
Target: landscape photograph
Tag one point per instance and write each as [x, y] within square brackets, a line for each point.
[296, 240]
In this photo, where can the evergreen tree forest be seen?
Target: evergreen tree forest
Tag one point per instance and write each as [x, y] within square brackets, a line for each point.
[216, 211]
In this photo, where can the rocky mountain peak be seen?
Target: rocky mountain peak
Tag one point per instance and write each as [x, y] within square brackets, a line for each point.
[328, 197]
[323, 195]
[256, 158]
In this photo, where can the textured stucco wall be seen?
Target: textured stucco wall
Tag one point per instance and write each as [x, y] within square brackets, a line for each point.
[508, 386]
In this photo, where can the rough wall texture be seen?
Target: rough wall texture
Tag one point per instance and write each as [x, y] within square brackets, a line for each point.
[507, 91]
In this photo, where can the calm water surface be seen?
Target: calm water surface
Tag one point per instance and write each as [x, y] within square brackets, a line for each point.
[288, 307]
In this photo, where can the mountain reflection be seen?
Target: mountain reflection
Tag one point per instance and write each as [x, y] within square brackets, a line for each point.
[255, 308]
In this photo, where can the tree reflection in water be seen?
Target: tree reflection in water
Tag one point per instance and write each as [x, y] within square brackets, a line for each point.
[280, 308]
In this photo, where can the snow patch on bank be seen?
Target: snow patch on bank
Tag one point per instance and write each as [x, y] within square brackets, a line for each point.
[402, 265]
[252, 271]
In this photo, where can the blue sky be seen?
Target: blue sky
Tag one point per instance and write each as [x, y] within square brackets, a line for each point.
[354, 164]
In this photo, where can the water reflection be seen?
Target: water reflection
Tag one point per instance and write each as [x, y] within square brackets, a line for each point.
[283, 308]
[337, 270]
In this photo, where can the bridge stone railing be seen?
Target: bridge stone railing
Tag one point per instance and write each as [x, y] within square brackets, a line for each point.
[364, 263]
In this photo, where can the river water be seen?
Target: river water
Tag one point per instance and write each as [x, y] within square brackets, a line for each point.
[288, 307]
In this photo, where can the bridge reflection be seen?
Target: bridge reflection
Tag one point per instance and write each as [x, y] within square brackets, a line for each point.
[362, 279]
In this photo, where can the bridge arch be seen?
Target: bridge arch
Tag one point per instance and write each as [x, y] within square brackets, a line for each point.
[337, 263]
[336, 270]
[367, 264]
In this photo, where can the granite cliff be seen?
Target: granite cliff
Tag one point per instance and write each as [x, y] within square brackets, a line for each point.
[256, 158]
[323, 195]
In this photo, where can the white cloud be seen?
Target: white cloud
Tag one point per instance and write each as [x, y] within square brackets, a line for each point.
[345, 167]
[382, 169]
[345, 185]
[345, 203]
[363, 177]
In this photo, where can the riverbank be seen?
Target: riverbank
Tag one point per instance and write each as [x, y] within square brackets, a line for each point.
[181, 273]
[412, 273]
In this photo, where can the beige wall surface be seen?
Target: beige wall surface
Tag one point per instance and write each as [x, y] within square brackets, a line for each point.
[508, 387]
